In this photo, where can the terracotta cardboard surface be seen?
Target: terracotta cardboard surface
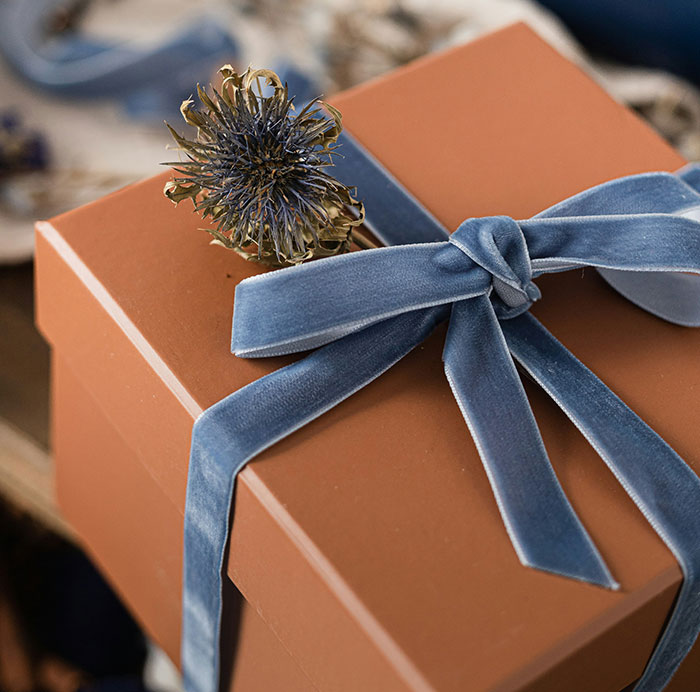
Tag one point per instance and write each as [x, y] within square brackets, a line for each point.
[369, 541]
[122, 513]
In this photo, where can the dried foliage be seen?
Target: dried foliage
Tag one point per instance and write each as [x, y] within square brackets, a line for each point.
[257, 171]
[370, 38]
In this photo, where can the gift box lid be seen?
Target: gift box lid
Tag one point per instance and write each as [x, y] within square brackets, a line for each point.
[369, 541]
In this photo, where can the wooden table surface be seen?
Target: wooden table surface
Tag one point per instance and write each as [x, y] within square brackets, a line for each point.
[26, 475]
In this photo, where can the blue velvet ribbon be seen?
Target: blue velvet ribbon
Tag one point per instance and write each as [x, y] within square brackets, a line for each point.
[360, 313]
[150, 80]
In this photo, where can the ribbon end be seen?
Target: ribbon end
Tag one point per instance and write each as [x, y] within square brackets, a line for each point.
[594, 572]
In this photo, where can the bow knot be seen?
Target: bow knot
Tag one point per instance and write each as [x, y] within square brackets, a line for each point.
[497, 244]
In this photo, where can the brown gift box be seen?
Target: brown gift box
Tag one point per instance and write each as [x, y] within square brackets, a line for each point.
[369, 543]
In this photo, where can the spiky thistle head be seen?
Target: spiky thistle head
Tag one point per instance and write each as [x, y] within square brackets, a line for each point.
[257, 171]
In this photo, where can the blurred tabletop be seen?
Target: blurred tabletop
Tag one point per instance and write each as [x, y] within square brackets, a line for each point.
[25, 468]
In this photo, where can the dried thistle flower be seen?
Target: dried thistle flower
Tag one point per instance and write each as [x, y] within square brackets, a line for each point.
[258, 172]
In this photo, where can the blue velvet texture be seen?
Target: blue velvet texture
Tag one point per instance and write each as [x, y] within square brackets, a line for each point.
[364, 311]
[150, 80]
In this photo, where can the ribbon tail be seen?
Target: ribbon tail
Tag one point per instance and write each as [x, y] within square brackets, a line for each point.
[234, 430]
[541, 523]
[662, 485]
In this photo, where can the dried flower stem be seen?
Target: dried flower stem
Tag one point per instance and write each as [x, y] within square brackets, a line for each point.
[362, 241]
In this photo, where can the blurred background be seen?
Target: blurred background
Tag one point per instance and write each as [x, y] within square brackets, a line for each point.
[84, 88]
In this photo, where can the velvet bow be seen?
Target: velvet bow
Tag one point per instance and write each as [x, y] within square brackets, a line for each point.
[363, 311]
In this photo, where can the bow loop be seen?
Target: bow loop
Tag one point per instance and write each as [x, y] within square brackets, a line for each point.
[497, 244]
[305, 307]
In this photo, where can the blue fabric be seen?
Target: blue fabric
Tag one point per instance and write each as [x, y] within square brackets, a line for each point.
[657, 33]
[364, 311]
[149, 80]
[395, 216]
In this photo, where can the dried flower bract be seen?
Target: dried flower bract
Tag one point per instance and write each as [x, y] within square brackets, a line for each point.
[258, 171]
